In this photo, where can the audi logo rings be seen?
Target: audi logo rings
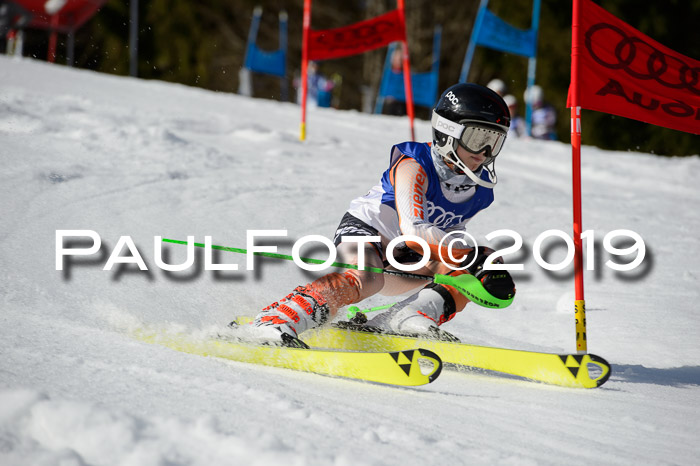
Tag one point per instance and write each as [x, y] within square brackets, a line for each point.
[657, 63]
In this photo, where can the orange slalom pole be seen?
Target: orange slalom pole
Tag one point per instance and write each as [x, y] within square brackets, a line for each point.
[304, 66]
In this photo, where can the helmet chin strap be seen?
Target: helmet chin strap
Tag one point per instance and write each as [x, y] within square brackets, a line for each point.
[449, 153]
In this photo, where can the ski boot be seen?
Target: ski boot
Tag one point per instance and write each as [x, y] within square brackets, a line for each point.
[281, 322]
[419, 315]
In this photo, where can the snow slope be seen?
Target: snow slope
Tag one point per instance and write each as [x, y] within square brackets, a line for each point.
[119, 156]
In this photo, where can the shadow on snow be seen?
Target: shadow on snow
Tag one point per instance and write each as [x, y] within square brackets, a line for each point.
[672, 376]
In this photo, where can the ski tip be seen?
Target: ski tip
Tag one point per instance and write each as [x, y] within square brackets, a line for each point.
[435, 359]
[605, 367]
[417, 366]
[586, 370]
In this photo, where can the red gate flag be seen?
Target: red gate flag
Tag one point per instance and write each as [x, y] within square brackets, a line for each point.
[357, 38]
[351, 40]
[623, 72]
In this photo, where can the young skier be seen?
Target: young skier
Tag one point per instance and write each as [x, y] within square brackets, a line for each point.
[428, 191]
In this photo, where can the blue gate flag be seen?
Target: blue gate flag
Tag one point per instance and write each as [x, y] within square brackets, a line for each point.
[491, 31]
[273, 63]
[499, 35]
[425, 85]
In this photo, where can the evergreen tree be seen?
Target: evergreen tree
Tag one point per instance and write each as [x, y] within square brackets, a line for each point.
[203, 44]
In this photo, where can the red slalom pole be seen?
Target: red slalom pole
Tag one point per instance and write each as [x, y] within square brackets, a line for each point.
[407, 71]
[304, 66]
[579, 303]
[53, 38]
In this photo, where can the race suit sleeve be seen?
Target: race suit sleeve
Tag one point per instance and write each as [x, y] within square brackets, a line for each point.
[410, 187]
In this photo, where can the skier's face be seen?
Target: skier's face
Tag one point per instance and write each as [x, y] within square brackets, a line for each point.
[472, 161]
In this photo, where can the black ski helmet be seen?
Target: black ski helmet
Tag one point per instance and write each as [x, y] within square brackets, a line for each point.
[474, 117]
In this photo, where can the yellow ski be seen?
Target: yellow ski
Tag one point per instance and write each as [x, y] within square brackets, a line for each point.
[408, 366]
[566, 370]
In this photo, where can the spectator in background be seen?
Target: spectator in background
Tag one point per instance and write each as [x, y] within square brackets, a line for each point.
[319, 87]
[391, 105]
[517, 123]
[497, 86]
[12, 16]
[13, 20]
[544, 117]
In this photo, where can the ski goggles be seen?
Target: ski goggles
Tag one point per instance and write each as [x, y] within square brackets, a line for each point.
[474, 135]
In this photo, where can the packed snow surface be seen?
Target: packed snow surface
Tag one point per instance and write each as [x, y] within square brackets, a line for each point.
[127, 157]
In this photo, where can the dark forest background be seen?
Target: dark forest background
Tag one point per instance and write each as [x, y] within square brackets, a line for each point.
[202, 43]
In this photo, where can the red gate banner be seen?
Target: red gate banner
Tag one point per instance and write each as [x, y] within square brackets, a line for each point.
[624, 72]
[356, 38]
